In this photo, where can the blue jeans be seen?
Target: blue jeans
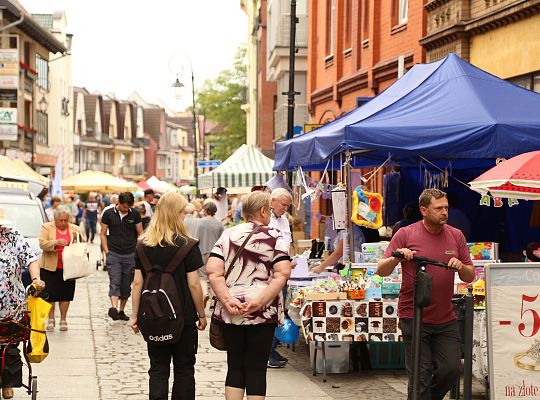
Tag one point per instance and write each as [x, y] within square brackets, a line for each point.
[90, 227]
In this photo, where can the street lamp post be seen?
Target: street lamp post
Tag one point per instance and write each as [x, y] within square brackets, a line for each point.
[177, 86]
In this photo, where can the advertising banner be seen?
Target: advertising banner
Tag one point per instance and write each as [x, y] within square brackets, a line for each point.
[8, 124]
[513, 307]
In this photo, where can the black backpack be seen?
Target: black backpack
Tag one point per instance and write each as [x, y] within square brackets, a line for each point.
[161, 315]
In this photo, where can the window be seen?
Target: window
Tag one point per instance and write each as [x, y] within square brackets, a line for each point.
[42, 134]
[42, 68]
[347, 15]
[365, 22]
[184, 165]
[403, 11]
[536, 83]
[529, 81]
[161, 162]
[330, 9]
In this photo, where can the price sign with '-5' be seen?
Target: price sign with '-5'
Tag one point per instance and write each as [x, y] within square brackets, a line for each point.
[513, 306]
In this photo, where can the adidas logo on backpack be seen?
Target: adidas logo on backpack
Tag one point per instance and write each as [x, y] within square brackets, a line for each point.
[161, 317]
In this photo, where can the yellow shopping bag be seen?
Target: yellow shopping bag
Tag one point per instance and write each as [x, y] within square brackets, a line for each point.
[38, 346]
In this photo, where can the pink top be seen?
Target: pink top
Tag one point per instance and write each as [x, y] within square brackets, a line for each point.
[60, 249]
[448, 243]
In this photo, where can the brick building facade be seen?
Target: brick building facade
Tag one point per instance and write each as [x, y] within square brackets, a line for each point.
[356, 50]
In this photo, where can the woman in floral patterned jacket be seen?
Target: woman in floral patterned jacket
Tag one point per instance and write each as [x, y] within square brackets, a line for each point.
[249, 293]
[15, 254]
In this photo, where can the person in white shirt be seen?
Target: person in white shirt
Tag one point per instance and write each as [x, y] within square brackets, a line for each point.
[222, 205]
[280, 202]
[148, 200]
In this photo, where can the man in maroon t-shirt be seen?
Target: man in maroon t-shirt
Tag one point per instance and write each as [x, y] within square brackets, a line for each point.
[432, 238]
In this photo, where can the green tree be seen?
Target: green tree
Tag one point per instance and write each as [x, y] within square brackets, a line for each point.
[221, 101]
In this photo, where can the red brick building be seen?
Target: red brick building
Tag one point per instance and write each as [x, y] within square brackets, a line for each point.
[356, 50]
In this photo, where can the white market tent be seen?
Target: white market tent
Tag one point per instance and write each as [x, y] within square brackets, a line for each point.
[245, 168]
[158, 185]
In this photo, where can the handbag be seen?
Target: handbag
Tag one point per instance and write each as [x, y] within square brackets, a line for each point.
[38, 345]
[75, 259]
[217, 339]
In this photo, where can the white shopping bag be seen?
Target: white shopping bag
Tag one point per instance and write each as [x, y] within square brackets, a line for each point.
[75, 260]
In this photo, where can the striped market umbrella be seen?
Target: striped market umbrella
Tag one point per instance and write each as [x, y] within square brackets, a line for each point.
[245, 168]
[516, 178]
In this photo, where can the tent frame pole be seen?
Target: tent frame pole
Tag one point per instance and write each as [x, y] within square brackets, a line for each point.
[348, 182]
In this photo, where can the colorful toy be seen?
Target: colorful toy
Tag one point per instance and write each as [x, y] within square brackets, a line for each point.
[367, 208]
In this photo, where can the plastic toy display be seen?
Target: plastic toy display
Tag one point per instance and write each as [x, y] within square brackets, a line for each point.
[367, 208]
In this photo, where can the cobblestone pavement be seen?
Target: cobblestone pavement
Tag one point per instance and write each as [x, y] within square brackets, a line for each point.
[102, 359]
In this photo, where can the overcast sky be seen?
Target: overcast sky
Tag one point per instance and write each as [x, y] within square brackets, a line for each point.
[121, 46]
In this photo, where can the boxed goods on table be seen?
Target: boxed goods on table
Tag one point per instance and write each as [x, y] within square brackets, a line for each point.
[484, 250]
[351, 321]
[373, 252]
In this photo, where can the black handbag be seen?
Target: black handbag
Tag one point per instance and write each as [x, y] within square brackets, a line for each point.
[217, 339]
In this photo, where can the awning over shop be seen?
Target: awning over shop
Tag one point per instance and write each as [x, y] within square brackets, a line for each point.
[33, 174]
[245, 168]
[446, 110]
[18, 168]
[96, 181]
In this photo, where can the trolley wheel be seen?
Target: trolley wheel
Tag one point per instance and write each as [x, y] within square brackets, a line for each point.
[34, 388]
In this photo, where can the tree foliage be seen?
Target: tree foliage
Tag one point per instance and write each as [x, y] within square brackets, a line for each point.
[221, 101]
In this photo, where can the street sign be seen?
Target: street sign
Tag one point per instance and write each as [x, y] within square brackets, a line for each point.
[209, 163]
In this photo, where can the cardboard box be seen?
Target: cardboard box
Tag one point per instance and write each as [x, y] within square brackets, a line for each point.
[356, 294]
[326, 296]
[373, 252]
[484, 250]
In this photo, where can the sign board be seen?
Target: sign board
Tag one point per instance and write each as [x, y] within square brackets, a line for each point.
[513, 314]
[339, 209]
[9, 62]
[209, 163]
[8, 124]
[311, 127]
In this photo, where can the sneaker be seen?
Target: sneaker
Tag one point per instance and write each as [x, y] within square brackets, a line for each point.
[279, 357]
[273, 363]
[113, 313]
[123, 316]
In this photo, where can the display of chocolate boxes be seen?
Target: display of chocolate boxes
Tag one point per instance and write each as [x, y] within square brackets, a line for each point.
[354, 321]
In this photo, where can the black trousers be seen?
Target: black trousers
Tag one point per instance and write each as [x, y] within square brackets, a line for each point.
[440, 358]
[12, 374]
[248, 348]
[183, 357]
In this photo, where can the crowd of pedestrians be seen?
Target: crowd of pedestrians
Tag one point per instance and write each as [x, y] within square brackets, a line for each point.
[248, 294]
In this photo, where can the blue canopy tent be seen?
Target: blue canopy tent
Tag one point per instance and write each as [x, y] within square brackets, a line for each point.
[446, 110]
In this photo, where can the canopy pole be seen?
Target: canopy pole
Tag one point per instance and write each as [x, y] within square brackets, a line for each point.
[348, 181]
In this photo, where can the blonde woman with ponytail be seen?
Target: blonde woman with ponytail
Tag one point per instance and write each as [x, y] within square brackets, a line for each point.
[165, 235]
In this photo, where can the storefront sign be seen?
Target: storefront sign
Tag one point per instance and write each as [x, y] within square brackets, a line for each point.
[311, 127]
[513, 306]
[8, 124]
[9, 82]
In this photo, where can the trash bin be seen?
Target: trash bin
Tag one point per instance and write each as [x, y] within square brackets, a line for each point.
[337, 357]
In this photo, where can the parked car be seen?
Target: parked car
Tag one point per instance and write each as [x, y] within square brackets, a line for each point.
[26, 214]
